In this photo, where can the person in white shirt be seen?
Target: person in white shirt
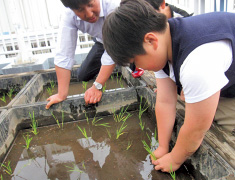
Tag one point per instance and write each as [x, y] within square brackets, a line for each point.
[87, 16]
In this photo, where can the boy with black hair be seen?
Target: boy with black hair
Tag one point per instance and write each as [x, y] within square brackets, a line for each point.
[170, 11]
[87, 16]
[196, 54]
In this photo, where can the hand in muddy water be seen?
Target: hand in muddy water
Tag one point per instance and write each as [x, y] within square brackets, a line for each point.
[166, 163]
[92, 95]
[53, 100]
[160, 151]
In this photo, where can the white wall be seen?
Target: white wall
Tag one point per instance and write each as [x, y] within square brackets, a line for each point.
[31, 15]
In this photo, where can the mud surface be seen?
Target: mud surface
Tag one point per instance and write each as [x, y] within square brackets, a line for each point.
[64, 152]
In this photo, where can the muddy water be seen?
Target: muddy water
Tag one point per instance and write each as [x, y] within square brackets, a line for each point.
[64, 153]
[77, 88]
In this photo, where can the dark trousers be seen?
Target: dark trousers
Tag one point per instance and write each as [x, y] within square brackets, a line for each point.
[90, 67]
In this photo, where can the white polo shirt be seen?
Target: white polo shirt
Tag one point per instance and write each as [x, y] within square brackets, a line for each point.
[68, 34]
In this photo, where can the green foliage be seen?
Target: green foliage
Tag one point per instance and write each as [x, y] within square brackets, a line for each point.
[34, 124]
[111, 77]
[129, 145]
[87, 119]
[51, 88]
[95, 122]
[123, 115]
[7, 168]
[52, 83]
[24, 83]
[120, 82]
[84, 85]
[56, 119]
[148, 149]
[141, 111]
[62, 121]
[104, 88]
[27, 140]
[3, 98]
[109, 134]
[120, 130]
[74, 169]
[172, 173]
[10, 93]
[83, 132]
[83, 165]
[49, 91]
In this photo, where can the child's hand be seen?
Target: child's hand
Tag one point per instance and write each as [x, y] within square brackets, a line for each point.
[166, 163]
[160, 151]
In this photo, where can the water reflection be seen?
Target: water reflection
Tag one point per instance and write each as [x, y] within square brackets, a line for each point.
[99, 150]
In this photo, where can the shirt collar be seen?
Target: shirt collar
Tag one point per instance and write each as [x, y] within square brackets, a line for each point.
[101, 10]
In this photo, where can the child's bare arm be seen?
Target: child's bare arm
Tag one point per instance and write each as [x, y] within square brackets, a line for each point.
[165, 113]
[198, 119]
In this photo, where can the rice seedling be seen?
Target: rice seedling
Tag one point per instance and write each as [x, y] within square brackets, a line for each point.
[142, 124]
[49, 91]
[111, 77]
[149, 138]
[74, 168]
[84, 85]
[121, 116]
[117, 77]
[83, 165]
[52, 83]
[62, 121]
[172, 173]
[7, 168]
[109, 134]
[141, 111]
[129, 145]
[120, 130]
[83, 132]
[1, 177]
[56, 119]
[34, 124]
[87, 119]
[10, 93]
[121, 84]
[104, 88]
[148, 149]
[27, 141]
[24, 83]
[51, 88]
[95, 122]
[3, 98]
[120, 79]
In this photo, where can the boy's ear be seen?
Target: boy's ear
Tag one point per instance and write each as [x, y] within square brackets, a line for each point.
[151, 39]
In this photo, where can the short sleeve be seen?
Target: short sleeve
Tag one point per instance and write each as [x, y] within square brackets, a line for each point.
[203, 72]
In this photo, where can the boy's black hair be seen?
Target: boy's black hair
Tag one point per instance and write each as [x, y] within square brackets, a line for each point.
[74, 4]
[125, 28]
[155, 3]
